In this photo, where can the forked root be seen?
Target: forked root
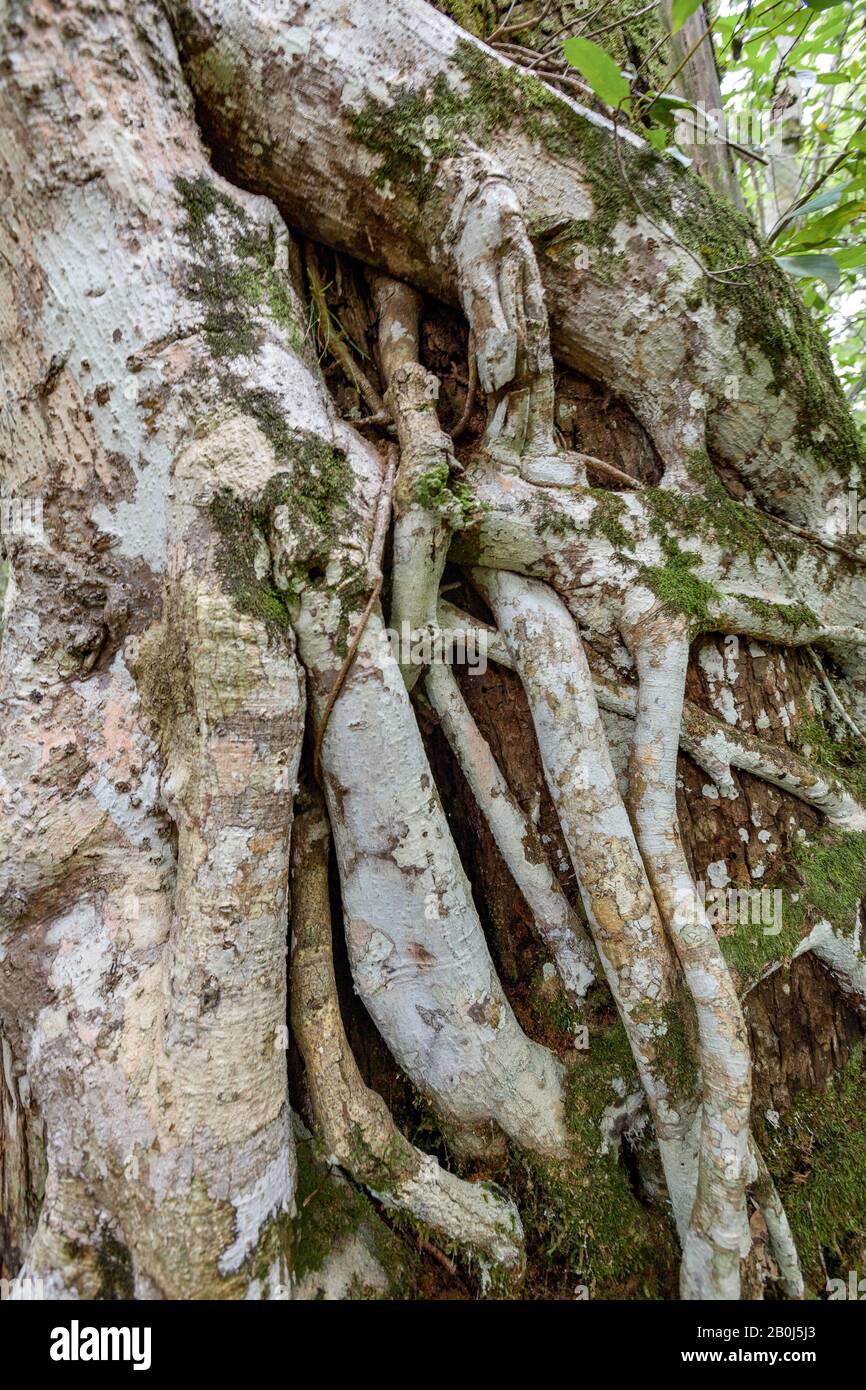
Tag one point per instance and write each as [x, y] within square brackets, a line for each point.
[356, 1126]
[718, 1229]
[843, 956]
[546, 650]
[416, 946]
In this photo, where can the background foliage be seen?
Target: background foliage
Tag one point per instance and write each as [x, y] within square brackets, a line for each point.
[792, 76]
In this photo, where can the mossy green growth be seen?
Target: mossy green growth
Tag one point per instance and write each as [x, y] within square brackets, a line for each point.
[631, 36]
[817, 1157]
[234, 275]
[271, 1259]
[749, 947]
[714, 515]
[474, 16]
[550, 1003]
[676, 1051]
[791, 615]
[833, 868]
[216, 69]
[584, 1223]
[415, 132]
[453, 500]
[607, 519]
[828, 880]
[114, 1266]
[677, 586]
[316, 492]
[843, 755]
[330, 1211]
[242, 552]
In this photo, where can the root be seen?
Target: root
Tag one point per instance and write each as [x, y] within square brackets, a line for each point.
[619, 903]
[375, 578]
[356, 1127]
[714, 746]
[416, 947]
[500, 287]
[554, 919]
[763, 1190]
[718, 1229]
[426, 508]
[842, 956]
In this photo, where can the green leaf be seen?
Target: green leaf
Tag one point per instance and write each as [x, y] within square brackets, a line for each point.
[851, 258]
[816, 267]
[823, 4]
[658, 137]
[822, 230]
[664, 110]
[600, 71]
[828, 199]
[681, 10]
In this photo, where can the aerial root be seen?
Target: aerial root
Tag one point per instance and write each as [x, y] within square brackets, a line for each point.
[716, 747]
[357, 1130]
[718, 1229]
[763, 1190]
[546, 650]
[517, 840]
[842, 955]
[426, 508]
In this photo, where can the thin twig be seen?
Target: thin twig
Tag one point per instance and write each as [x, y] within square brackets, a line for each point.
[610, 471]
[374, 573]
[438, 1255]
[335, 343]
[834, 698]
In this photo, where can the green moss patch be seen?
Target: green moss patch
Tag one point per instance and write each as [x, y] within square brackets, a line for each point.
[842, 755]
[677, 586]
[584, 1223]
[233, 275]
[454, 500]
[317, 493]
[818, 1159]
[332, 1211]
[828, 877]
